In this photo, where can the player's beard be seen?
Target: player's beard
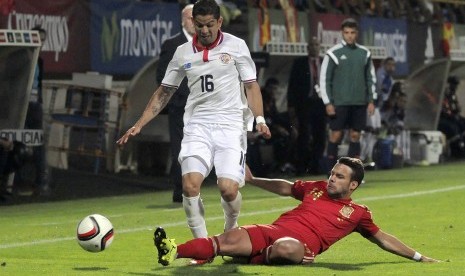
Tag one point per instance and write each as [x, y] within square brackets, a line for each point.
[334, 193]
[206, 40]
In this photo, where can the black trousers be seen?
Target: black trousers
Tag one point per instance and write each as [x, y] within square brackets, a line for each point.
[176, 125]
[311, 142]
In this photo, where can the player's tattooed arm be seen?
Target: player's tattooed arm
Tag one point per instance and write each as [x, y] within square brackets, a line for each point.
[158, 101]
[162, 97]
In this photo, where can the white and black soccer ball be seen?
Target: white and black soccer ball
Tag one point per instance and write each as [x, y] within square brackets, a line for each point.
[95, 233]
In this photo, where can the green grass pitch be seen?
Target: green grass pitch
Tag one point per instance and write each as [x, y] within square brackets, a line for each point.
[423, 206]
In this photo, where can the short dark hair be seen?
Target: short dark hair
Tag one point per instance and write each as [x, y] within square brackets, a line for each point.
[206, 7]
[349, 23]
[358, 171]
[388, 59]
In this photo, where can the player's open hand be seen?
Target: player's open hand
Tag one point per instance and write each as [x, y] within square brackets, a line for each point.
[371, 109]
[330, 110]
[264, 130]
[425, 259]
[133, 131]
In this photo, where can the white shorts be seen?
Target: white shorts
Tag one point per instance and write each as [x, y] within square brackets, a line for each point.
[214, 145]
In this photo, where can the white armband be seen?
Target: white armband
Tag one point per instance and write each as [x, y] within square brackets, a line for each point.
[260, 120]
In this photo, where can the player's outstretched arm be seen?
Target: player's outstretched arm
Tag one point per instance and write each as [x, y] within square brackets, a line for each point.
[392, 244]
[278, 186]
[158, 101]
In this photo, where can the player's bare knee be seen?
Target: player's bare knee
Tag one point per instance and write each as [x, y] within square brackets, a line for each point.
[230, 240]
[287, 251]
[228, 190]
[190, 186]
[229, 195]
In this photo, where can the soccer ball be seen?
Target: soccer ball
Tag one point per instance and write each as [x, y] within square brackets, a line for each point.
[95, 233]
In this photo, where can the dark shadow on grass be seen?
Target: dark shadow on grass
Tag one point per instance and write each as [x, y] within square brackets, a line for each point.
[165, 206]
[193, 270]
[232, 267]
[91, 268]
[348, 267]
[219, 269]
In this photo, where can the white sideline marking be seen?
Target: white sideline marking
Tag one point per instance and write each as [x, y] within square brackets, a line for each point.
[146, 228]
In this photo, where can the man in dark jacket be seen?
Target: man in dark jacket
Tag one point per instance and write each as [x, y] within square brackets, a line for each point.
[306, 110]
[178, 101]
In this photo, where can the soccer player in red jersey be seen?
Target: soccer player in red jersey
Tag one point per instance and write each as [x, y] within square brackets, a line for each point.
[326, 215]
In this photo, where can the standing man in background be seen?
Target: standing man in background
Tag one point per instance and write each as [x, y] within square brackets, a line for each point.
[217, 113]
[306, 110]
[178, 101]
[347, 84]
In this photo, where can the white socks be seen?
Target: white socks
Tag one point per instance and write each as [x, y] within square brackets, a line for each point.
[193, 206]
[231, 211]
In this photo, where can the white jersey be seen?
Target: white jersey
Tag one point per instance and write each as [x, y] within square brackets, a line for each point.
[214, 79]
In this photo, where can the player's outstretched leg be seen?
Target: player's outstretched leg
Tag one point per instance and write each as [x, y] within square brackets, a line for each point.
[167, 248]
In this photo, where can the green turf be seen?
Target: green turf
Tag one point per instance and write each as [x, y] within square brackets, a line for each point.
[420, 205]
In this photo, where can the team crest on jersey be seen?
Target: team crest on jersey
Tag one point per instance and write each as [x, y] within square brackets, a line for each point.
[225, 58]
[316, 193]
[187, 65]
[346, 211]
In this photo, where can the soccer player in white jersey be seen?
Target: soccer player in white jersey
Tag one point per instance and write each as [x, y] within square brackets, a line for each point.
[217, 113]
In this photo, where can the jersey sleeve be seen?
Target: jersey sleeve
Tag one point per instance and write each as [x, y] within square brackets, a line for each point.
[175, 72]
[366, 226]
[326, 79]
[300, 188]
[371, 80]
[244, 63]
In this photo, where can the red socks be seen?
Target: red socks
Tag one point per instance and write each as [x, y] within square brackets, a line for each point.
[200, 249]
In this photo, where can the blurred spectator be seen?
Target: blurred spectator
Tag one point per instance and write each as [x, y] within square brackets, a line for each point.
[307, 111]
[279, 125]
[5, 147]
[354, 8]
[229, 11]
[421, 13]
[451, 123]
[384, 82]
[392, 120]
[387, 10]
[301, 5]
[459, 13]
[34, 121]
[393, 111]
[13, 155]
[265, 156]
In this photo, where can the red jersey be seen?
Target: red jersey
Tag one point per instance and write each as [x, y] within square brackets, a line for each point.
[322, 221]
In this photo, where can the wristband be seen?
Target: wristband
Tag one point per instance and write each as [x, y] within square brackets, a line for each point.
[260, 120]
[417, 257]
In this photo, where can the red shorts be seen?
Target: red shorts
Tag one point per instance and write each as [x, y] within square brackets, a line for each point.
[264, 235]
